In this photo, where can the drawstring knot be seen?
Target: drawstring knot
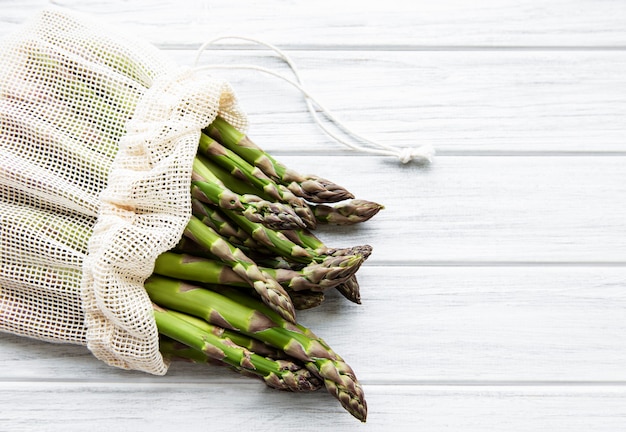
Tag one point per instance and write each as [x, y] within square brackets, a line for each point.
[423, 153]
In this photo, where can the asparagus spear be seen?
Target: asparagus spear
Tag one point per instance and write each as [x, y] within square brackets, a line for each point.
[252, 344]
[350, 289]
[217, 221]
[310, 241]
[317, 277]
[315, 247]
[339, 379]
[197, 269]
[215, 344]
[208, 270]
[346, 213]
[233, 183]
[241, 169]
[206, 187]
[213, 218]
[268, 288]
[314, 277]
[349, 286]
[303, 300]
[312, 188]
[281, 245]
[273, 240]
[174, 350]
[271, 192]
[250, 302]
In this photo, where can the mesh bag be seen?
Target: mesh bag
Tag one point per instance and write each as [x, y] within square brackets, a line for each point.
[97, 136]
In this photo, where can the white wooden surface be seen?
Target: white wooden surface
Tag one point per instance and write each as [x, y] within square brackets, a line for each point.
[496, 295]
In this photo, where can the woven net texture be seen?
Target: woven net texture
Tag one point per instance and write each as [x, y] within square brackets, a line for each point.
[98, 131]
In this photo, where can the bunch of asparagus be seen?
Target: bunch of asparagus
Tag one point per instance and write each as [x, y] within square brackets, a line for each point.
[228, 292]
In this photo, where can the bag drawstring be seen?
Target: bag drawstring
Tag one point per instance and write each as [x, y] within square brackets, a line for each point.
[424, 153]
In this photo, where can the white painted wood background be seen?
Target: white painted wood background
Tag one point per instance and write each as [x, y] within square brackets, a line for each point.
[496, 295]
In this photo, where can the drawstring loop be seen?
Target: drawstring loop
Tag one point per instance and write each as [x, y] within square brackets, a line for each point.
[424, 153]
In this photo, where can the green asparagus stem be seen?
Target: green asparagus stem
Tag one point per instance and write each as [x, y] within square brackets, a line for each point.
[216, 345]
[237, 167]
[317, 277]
[281, 245]
[268, 190]
[312, 188]
[212, 217]
[233, 183]
[273, 240]
[206, 187]
[250, 302]
[346, 213]
[313, 277]
[268, 288]
[254, 345]
[306, 239]
[241, 169]
[188, 246]
[197, 269]
[173, 350]
[217, 221]
[339, 378]
[348, 287]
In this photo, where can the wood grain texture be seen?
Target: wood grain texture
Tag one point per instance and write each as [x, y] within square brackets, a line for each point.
[485, 209]
[148, 407]
[332, 24]
[425, 325]
[460, 102]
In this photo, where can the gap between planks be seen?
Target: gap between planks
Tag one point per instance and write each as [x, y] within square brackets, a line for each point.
[391, 47]
[499, 264]
[237, 381]
[466, 153]
[469, 153]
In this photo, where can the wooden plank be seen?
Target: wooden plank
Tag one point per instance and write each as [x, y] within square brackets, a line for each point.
[149, 407]
[459, 102]
[351, 23]
[423, 325]
[484, 209]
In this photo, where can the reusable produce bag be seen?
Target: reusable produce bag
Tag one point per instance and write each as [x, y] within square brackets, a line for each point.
[98, 129]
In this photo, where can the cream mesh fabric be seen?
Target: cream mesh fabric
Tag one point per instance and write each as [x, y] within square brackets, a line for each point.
[97, 136]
